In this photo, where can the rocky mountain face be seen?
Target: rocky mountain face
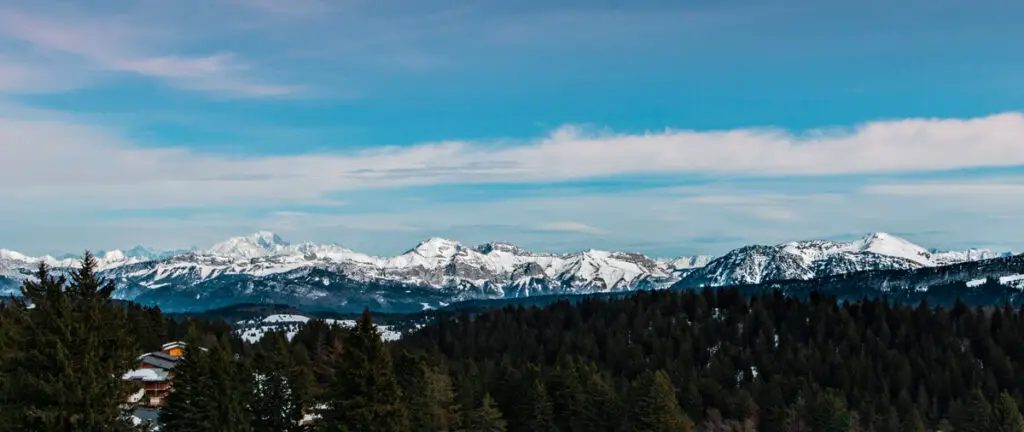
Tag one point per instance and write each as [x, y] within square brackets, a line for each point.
[820, 258]
[263, 268]
[990, 282]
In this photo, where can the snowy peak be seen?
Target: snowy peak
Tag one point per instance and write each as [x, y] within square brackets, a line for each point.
[886, 244]
[437, 247]
[260, 244]
[819, 258]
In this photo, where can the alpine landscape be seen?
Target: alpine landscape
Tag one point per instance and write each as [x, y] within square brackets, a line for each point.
[518, 216]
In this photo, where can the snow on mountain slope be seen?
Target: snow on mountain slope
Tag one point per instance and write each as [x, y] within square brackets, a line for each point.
[257, 245]
[253, 330]
[818, 258]
[263, 267]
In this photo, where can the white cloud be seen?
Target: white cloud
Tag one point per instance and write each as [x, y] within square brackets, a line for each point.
[117, 45]
[58, 160]
[1009, 188]
[570, 227]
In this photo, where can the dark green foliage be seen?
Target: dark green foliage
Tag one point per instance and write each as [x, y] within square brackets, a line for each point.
[190, 407]
[278, 391]
[569, 399]
[364, 394]
[485, 418]
[427, 395]
[537, 410]
[828, 413]
[742, 358]
[211, 390]
[654, 406]
[977, 415]
[913, 422]
[62, 359]
[1006, 415]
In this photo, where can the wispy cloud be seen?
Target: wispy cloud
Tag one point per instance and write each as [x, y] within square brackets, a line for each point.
[120, 45]
[1009, 188]
[570, 227]
[59, 160]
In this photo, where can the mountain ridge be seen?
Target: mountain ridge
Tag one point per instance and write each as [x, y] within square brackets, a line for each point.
[263, 267]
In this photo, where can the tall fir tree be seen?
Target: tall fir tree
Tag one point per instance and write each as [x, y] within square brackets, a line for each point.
[190, 406]
[605, 412]
[427, 394]
[828, 413]
[232, 385]
[65, 356]
[277, 402]
[537, 410]
[364, 396]
[569, 398]
[485, 418]
[654, 405]
[913, 422]
[977, 416]
[1006, 415]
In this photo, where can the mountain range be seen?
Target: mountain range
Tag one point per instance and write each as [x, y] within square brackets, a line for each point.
[263, 268]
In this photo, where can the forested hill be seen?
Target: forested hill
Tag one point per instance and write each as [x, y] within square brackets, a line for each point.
[991, 282]
[769, 360]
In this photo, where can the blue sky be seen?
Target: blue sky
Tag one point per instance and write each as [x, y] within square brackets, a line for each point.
[668, 128]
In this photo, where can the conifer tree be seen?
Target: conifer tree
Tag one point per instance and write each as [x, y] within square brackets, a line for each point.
[538, 412]
[913, 422]
[569, 398]
[828, 413]
[364, 396]
[1006, 415]
[64, 358]
[277, 403]
[977, 415]
[604, 411]
[190, 406]
[232, 387]
[654, 405]
[427, 395]
[485, 418]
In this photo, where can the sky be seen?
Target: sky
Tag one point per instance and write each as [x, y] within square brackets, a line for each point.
[663, 127]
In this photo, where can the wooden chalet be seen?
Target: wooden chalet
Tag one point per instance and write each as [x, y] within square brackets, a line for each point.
[155, 374]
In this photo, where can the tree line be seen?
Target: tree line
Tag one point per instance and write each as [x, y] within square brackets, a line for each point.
[713, 360]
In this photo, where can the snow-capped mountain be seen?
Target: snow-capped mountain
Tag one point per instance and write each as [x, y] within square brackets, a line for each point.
[436, 272]
[262, 268]
[818, 258]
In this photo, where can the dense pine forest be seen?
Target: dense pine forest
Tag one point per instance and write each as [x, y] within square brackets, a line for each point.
[711, 360]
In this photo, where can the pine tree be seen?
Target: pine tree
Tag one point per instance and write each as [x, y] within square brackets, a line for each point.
[569, 399]
[190, 406]
[1006, 415]
[538, 412]
[364, 396]
[232, 386]
[977, 415]
[485, 418]
[277, 404]
[828, 413]
[604, 411]
[64, 358]
[427, 395]
[913, 422]
[654, 405]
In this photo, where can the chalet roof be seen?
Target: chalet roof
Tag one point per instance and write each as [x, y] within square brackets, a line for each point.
[147, 375]
[161, 355]
[175, 344]
[158, 362]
